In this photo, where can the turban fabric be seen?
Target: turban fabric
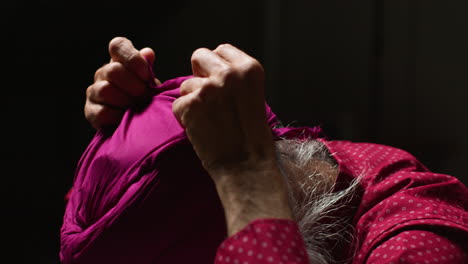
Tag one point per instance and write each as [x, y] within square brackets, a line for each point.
[140, 194]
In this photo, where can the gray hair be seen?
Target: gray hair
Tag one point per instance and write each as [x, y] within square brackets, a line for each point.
[310, 173]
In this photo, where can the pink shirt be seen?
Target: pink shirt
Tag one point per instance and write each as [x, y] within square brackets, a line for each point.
[140, 195]
[405, 214]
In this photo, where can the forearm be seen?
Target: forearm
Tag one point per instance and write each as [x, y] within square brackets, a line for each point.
[252, 194]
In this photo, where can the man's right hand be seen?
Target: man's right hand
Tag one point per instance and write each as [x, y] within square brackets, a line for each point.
[119, 83]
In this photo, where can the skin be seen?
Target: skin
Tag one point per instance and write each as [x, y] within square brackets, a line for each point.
[223, 113]
[119, 83]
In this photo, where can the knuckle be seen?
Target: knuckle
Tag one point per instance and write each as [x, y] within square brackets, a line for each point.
[98, 73]
[116, 43]
[91, 119]
[210, 84]
[99, 92]
[89, 91]
[100, 114]
[224, 46]
[250, 69]
[210, 89]
[180, 109]
[198, 54]
[185, 88]
[176, 109]
[133, 58]
[89, 114]
[253, 66]
[124, 50]
[113, 70]
[102, 90]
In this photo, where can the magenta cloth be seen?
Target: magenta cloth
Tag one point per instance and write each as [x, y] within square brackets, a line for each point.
[140, 194]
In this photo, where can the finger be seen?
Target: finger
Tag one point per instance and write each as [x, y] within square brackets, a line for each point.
[148, 54]
[157, 81]
[191, 85]
[179, 108]
[231, 53]
[123, 51]
[122, 78]
[101, 116]
[205, 62]
[104, 92]
[241, 61]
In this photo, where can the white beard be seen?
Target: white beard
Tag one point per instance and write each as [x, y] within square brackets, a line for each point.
[311, 173]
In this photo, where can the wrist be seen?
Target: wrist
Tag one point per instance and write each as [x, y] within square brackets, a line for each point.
[247, 195]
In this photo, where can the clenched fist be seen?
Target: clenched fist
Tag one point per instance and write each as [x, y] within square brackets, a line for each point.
[223, 111]
[118, 84]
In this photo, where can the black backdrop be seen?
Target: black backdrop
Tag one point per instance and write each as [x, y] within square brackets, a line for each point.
[391, 73]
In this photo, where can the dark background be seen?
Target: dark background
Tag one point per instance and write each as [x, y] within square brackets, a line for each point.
[390, 72]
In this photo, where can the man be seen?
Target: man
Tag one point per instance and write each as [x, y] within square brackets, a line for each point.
[280, 195]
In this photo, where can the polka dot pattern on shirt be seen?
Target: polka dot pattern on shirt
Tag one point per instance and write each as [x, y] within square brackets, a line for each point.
[264, 241]
[400, 200]
[418, 246]
[399, 194]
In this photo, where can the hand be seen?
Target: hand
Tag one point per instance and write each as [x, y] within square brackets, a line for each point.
[223, 111]
[119, 83]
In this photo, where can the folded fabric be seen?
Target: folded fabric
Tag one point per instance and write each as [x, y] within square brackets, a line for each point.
[140, 194]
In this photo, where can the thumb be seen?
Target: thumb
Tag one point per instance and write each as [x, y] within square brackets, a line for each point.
[148, 54]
